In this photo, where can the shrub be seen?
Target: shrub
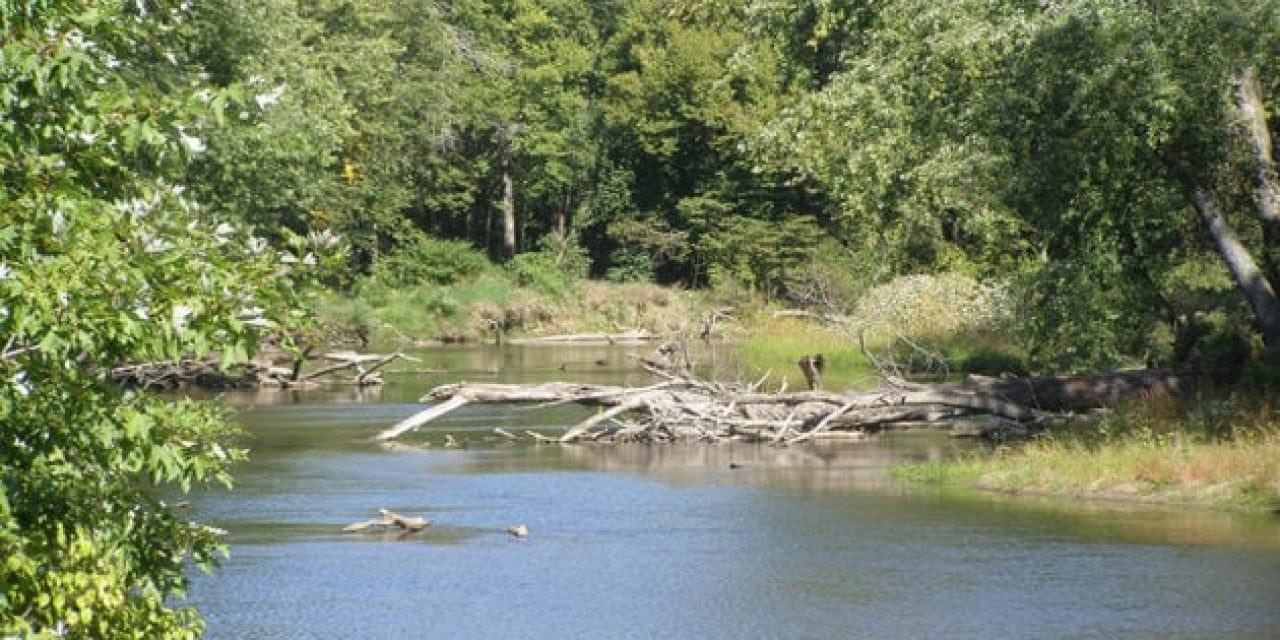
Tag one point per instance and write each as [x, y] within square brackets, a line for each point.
[427, 260]
[630, 265]
[934, 306]
[834, 278]
[538, 270]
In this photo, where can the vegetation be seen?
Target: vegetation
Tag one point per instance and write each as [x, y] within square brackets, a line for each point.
[1222, 453]
[492, 306]
[1059, 186]
[1108, 167]
[104, 259]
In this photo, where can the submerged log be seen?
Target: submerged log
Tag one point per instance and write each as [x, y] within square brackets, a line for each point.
[589, 338]
[386, 519]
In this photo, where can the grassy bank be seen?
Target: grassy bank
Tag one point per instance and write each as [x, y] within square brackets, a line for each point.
[933, 325]
[1221, 453]
[474, 309]
[776, 344]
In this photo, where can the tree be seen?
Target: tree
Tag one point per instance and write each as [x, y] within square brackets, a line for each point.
[1066, 146]
[685, 89]
[104, 259]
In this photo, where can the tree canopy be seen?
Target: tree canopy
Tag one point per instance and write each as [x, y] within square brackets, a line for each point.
[1054, 146]
[106, 259]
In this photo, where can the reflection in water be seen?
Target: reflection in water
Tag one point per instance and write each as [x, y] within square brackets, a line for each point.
[819, 466]
[650, 541]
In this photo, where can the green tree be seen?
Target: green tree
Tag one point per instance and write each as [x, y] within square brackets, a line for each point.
[685, 89]
[277, 160]
[1066, 145]
[104, 260]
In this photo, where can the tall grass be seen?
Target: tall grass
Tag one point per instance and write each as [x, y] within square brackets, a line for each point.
[1210, 451]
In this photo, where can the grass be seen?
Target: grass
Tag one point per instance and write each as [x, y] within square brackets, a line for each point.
[776, 344]
[919, 311]
[470, 310]
[1222, 453]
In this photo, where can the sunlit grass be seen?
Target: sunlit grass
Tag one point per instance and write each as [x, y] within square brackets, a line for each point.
[1223, 453]
[776, 345]
[474, 309]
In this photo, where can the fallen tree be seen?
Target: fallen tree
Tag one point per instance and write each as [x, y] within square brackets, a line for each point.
[686, 409]
[273, 369]
[386, 519]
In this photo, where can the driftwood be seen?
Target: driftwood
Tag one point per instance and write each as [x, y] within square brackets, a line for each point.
[387, 519]
[830, 318]
[589, 338]
[271, 369]
[365, 364]
[189, 373]
[685, 409]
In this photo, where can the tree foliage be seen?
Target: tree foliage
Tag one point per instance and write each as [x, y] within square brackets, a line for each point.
[1054, 145]
[1061, 142]
[105, 259]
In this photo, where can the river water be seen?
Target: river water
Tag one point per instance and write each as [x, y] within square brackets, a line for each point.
[674, 541]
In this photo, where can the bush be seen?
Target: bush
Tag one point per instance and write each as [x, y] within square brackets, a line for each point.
[834, 278]
[539, 270]
[630, 265]
[555, 269]
[989, 360]
[427, 260]
[934, 306]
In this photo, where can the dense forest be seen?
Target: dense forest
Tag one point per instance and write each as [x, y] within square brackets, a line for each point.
[1100, 159]
[174, 176]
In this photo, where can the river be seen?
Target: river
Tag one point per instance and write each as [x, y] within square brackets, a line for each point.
[673, 541]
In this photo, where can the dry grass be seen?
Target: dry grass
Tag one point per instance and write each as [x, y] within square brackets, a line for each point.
[472, 309]
[607, 307]
[1223, 453]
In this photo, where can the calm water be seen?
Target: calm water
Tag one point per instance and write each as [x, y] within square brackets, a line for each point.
[634, 541]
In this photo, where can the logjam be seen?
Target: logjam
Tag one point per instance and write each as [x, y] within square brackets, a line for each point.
[686, 409]
[273, 369]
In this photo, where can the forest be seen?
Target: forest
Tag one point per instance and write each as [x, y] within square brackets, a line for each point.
[1108, 164]
[186, 177]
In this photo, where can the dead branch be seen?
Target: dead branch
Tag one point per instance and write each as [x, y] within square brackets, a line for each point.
[686, 409]
[386, 519]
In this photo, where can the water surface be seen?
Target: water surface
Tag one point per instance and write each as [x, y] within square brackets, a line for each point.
[638, 541]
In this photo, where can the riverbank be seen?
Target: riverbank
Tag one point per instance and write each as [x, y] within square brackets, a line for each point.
[1213, 453]
[931, 325]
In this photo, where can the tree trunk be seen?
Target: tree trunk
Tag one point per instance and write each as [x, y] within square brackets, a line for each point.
[1250, 279]
[508, 207]
[1254, 112]
[1249, 97]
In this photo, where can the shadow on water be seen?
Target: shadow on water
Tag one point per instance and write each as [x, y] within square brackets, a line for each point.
[640, 541]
